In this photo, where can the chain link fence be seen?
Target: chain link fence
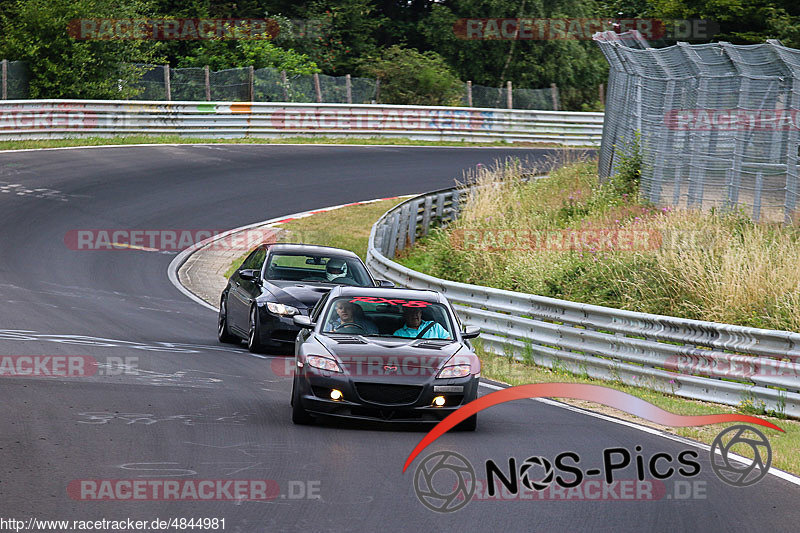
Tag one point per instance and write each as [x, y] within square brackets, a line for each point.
[246, 84]
[481, 96]
[160, 82]
[716, 124]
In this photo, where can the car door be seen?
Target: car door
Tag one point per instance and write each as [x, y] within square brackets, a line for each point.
[243, 291]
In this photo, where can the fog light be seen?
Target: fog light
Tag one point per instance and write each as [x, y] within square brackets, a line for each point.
[336, 395]
[438, 401]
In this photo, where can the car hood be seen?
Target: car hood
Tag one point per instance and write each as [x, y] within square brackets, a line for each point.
[361, 354]
[297, 294]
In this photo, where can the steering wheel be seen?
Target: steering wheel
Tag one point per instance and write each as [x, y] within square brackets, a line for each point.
[345, 325]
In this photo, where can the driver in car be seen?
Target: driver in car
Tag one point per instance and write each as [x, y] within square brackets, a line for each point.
[348, 318]
[416, 328]
[335, 268]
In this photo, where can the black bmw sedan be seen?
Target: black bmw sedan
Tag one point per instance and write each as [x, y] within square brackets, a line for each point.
[278, 281]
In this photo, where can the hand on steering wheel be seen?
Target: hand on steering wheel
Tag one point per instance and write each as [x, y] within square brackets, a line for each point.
[350, 325]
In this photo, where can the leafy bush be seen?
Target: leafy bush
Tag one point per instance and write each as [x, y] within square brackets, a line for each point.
[220, 55]
[413, 78]
[35, 31]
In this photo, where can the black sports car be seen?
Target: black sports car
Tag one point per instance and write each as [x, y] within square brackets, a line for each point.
[277, 282]
[383, 354]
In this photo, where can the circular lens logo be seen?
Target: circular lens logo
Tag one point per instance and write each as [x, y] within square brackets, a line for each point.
[542, 463]
[734, 472]
[444, 482]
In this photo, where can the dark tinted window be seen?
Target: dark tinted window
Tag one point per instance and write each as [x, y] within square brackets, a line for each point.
[283, 266]
[255, 260]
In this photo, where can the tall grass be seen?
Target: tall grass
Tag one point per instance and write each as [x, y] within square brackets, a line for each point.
[707, 266]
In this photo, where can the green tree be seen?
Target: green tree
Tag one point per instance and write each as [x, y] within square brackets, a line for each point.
[576, 66]
[410, 77]
[740, 21]
[346, 33]
[260, 53]
[36, 31]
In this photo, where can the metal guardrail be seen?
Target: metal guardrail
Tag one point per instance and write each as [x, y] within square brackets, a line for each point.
[690, 358]
[55, 119]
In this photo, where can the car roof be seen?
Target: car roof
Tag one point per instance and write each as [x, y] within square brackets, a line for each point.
[311, 249]
[384, 292]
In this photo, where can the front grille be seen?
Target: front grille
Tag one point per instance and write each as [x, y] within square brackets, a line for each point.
[388, 394]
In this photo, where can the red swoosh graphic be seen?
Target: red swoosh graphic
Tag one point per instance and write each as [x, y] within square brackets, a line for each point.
[593, 393]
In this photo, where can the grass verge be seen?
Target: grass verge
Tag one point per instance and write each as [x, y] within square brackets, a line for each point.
[177, 139]
[568, 237]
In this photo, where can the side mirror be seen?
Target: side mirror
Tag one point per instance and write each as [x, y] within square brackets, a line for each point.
[470, 332]
[249, 274]
[303, 321]
[385, 283]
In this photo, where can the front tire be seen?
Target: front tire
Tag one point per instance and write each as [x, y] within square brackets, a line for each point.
[223, 334]
[254, 334]
[300, 416]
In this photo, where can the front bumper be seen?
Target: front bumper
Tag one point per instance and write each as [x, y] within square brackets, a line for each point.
[362, 399]
[278, 331]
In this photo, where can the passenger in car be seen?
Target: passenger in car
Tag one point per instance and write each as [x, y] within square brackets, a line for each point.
[417, 328]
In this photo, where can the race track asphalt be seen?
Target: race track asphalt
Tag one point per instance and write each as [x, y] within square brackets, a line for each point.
[188, 408]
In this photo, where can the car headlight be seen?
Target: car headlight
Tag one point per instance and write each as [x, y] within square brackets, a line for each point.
[281, 309]
[323, 363]
[455, 371]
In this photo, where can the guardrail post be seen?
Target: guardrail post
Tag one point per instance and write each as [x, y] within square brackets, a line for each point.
[393, 229]
[412, 222]
[426, 215]
[469, 94]
[554, 95]
[317, 88]
[167, 87]
[349, 88]
[5, 79]
[285, 85]
[252, 80]
[208, 83]
[509, 95]
[439, 206]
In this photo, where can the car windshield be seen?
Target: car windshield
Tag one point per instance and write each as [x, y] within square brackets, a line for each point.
[317, 268]
[388, 317]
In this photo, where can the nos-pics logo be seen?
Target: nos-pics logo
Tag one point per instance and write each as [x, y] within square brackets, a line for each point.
[445, 481]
